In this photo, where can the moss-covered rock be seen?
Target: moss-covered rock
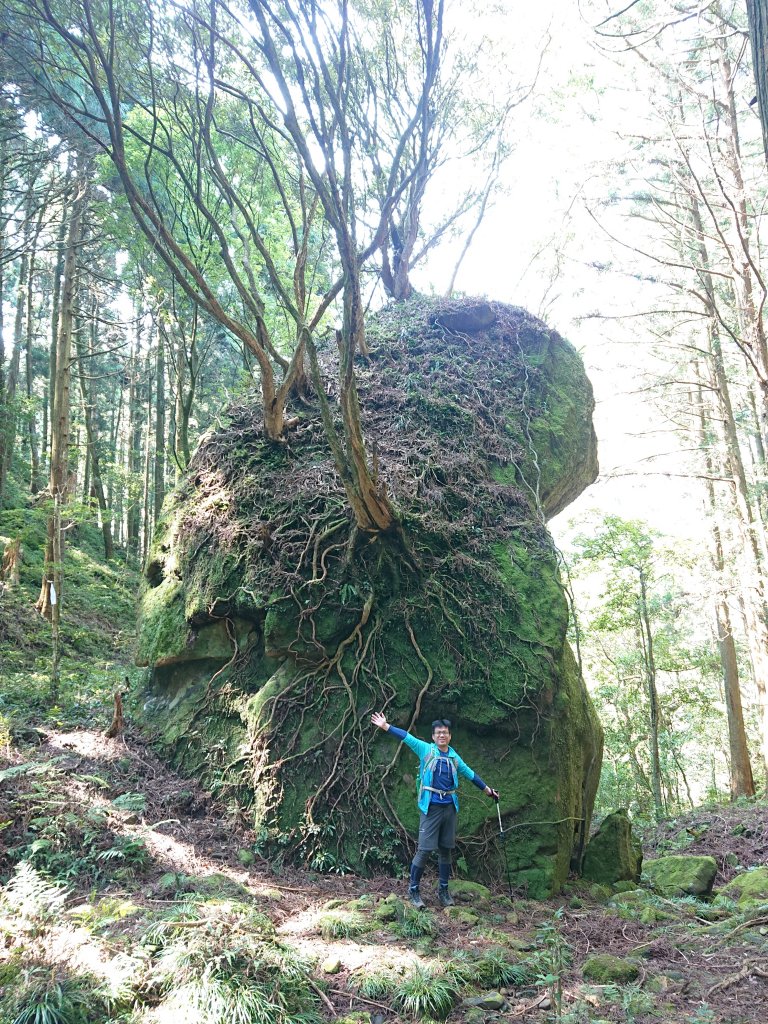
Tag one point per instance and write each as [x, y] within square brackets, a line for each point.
[748, 887]
[272, 626]
[460, 915]
[464, 891]
[682, 875]
[605, 969]
[613, 854]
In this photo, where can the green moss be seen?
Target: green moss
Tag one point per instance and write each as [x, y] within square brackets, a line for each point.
[163, 628]
[681, 875]
[469, 892]
[605, 969]
[249, 538]
[613, 854]
[748, 887]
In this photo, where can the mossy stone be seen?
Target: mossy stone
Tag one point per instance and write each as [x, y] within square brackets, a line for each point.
[606, 969]
[625, 886]
[462, 916]
[613, 854]
[681, 875]
[387, 911]
[469, 892]
[249, 539]
[748, 887]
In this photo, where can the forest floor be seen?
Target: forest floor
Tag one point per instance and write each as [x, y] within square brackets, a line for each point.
[129, 895]
[159, 893]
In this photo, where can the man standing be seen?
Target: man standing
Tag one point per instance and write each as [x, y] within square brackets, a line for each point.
[438, 783]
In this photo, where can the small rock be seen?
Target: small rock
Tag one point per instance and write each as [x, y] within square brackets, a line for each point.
[605, 968]
[489, 1001]
[246, 858]
[461, 916]
[545, 1004]
[331, 966]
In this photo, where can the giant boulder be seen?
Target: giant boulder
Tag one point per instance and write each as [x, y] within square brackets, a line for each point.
[272, 627]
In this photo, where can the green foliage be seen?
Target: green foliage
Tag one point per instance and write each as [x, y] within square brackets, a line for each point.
[32, 900]
[98, 624]
[492, 968]
[228, 975]
[59, 835]
[45, 997]
[426, 992]
[414, 924]
[343, 924]
[640, 595]
[555, 955]
[377, 984]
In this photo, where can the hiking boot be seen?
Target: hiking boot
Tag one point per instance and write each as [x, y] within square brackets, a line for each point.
[446, 900]
[415, 897]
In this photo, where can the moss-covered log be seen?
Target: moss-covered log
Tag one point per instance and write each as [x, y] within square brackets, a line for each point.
[273, 627]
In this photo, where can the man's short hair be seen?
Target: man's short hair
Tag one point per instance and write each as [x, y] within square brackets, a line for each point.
[444, 722]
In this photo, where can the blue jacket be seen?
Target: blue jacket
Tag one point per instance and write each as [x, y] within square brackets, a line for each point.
[428, 753]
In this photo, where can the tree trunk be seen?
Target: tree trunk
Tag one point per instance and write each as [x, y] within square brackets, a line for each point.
[159, 466]
[654, 716]
[146, 514]
[134, 445]
[746, 282]
[58, 272]
[8, 436]
[60, 422]
[757, 12]
[753, 537]
[34, 451]
[3, 406]
[740, 769]
[93, 439]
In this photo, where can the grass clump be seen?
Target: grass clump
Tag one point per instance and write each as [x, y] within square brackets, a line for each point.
[342, 924]
[377, 984]
[426, 992]
[491, 969]
[220, 972]
[42, 995]
[414, 924]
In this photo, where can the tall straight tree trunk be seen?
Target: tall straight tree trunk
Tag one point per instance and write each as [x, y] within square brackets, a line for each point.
[51, 591]
[93, 440]
[740, 769]
[654, 717]
[159, 466]
[146, 502]
[34, 451]
[752, 555]
[8, 436]
[3, 407]
[748, 285]
[58, 272]
[133, 523]
[757, 12]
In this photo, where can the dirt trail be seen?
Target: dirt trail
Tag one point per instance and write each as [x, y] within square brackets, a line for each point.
[690, 970]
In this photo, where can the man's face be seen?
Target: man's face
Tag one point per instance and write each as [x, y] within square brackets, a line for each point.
[442, 737]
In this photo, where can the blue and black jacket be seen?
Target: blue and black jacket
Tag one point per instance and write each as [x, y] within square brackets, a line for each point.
[438, 779]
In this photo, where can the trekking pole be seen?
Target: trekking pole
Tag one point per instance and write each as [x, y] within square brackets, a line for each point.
[503, 841]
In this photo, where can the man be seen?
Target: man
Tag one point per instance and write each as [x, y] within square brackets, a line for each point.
[438, 783]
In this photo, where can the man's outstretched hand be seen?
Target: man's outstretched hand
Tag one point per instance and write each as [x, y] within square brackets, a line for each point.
[492, 793]
[379, 721]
